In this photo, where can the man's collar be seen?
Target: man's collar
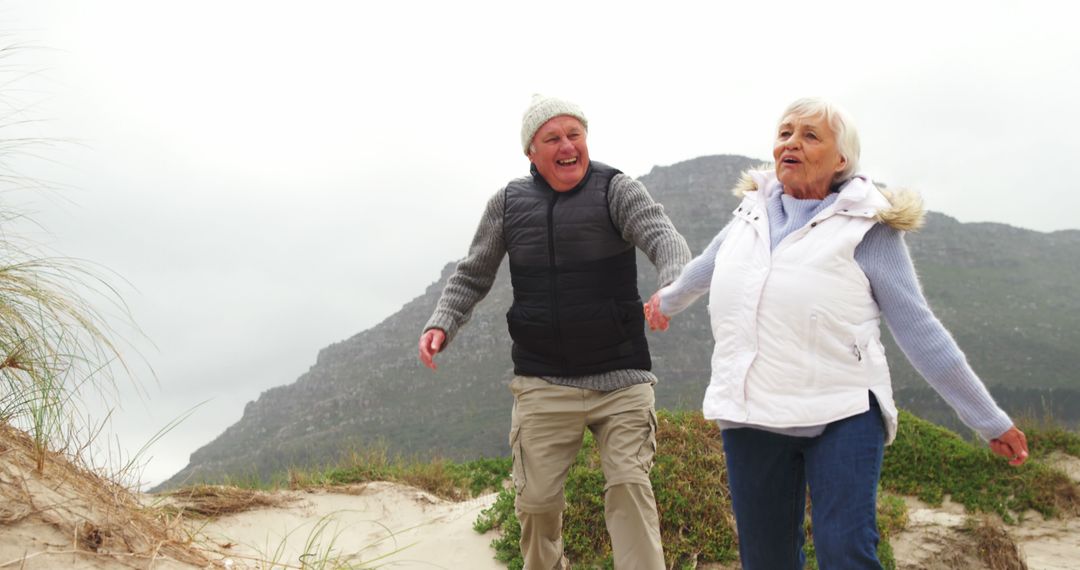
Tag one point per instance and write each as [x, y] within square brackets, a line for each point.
[537, 177]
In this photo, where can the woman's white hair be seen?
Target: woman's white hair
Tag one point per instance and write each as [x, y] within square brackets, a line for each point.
[847, 136]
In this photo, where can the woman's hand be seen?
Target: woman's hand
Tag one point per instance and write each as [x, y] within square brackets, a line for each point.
[658, 321]
[1011, 445]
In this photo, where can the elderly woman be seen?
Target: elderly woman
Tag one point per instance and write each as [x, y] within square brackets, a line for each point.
[798, 281]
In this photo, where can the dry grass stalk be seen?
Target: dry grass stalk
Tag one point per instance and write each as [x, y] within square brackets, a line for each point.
[1066, 496]
[98, 516]
[995, 547]
[218, 500]
[10, 514]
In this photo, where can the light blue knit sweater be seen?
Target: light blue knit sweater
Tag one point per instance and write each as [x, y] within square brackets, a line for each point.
[884, 258]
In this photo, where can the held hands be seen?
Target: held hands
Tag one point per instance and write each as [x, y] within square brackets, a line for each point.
[658, 321]
[431, 342]
[1012, 445]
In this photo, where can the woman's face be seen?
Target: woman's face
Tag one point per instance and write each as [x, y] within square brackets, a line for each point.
[806, 155]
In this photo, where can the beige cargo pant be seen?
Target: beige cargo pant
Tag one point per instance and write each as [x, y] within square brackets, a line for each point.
[546, 432]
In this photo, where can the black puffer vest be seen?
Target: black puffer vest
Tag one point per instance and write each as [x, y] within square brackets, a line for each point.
[576, 306]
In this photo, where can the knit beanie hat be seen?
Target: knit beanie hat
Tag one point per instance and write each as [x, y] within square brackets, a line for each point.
[543, 109]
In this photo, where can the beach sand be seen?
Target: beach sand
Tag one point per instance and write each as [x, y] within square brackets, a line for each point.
[394, 525]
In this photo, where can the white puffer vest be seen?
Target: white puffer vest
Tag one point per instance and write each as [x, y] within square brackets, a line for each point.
[797, 329]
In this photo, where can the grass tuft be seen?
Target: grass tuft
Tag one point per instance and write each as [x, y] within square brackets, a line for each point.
[1045, 438]
[217, 500]
[992, 544]
[446, 479]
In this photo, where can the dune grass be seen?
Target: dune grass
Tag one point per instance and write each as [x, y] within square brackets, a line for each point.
[58, 351]
[56, 344]
[443, 478]
[1047, 437]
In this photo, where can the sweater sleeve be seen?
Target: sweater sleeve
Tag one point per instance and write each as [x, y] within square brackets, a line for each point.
[642, 222]
[475, 274]
[929, 347]
[694, 281]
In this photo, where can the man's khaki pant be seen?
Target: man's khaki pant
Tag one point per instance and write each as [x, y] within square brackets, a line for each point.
[546, 432]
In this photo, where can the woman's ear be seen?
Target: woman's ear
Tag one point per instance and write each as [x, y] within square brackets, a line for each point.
[842, 165]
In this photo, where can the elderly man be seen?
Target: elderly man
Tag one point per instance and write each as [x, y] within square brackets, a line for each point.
[579, 350]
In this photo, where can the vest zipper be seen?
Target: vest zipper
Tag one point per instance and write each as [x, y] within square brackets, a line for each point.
[552, 275]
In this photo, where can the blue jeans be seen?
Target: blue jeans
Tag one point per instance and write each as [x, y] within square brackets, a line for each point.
[768, 474]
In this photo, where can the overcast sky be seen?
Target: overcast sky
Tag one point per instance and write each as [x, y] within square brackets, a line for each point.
[272, 177]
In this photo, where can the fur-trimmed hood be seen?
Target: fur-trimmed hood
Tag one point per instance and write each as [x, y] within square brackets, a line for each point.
[905, 212]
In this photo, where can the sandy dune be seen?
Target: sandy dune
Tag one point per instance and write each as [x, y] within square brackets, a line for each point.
[67, 517]
[935, 538]
[398, 526]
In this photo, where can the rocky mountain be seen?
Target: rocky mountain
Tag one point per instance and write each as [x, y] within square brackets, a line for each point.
[1010, 296]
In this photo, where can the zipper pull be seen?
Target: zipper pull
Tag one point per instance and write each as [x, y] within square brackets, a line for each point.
[858, 353]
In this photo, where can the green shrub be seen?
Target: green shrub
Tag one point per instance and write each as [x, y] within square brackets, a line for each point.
[690, 483]
[929, 462]
[697, 525]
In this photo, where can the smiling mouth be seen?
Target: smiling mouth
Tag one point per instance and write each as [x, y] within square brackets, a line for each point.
[567, 161]
[790, 160]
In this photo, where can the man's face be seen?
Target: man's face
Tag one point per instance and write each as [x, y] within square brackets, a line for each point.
[559, 152]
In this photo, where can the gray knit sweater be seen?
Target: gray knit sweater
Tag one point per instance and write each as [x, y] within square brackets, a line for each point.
[639, 219]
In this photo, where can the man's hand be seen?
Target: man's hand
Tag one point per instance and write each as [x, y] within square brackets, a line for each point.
[431, 342]
[657, 319]
[1011, 445]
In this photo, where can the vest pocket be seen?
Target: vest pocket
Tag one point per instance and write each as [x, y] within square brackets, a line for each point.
[875, 351]
[867, 349]
[595, 325]
[813, 351]
[528, 325]
[618, 317]
[632, 317]
[512, 323]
